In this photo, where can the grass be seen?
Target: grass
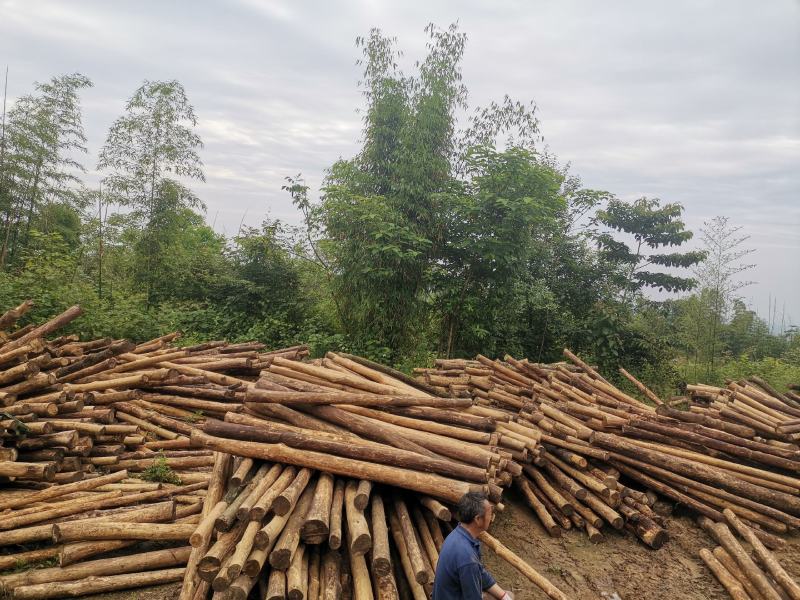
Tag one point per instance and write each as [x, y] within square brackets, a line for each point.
[24, 565]
[160, 471]
[195, 416]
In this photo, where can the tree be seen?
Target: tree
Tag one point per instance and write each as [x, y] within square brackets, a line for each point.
[146, 150]
[38, 169]
[380, 217]
[653, 227]
[499, 232]
[718, 274]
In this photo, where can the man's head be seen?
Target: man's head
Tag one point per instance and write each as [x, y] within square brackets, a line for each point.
[475, 511]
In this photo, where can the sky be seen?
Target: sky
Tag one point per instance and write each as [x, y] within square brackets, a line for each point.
[696, 102]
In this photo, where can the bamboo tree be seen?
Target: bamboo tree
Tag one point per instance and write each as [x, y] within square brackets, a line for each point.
[146, 150]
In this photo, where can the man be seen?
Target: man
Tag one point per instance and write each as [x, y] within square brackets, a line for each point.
[460, 574]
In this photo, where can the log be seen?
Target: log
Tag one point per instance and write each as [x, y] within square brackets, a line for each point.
[422, 572]
[515, 561]
[284, 501]
[264, 484]
[414, 587]
[728, 581]
[316, 527]
[237, 560]
[690, 486]
[337, 505]
[642, 387]
[426, 483]
[330, 582]
[425, 537]
[74, 531]
[150, 513]
[701, 472]
[336, 397]
[74, 553]
[240, 588]
[337, 377]
[545, 518]
[725, 538]
[381, 557]
[10, 561]
[106, 566]
[314, 561]
[360, 578]
[360, 538]
[439, 510]
[289, 540]
[727, 561]
[202, 534]
[297, 575]
[12, 315]
[45, 329]
[562, 479]
[229, 516]
[276, 586]
[210, 564]
[373, 452]
[555, 497]
[766, 557]
[264, 503]
[39, 471]
[436, 531]
[98, 585]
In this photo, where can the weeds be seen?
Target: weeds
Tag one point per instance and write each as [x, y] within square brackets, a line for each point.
[160, 471]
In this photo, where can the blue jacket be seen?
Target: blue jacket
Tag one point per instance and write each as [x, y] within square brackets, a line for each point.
[460, 574]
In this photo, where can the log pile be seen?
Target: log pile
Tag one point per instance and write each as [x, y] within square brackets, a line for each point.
[300, 479]
[735, 568]
[603, 457]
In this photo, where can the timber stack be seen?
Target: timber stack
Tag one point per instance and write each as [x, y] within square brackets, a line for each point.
[302, 479]
[590, 436]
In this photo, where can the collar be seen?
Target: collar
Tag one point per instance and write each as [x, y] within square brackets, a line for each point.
[468, 535]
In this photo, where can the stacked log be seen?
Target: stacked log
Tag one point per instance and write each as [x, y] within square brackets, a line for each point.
[737, 570]
[304, 478]
[336, 476]
[603, 457]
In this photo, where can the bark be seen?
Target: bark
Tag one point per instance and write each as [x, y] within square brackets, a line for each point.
[316, 528]
[97, 585]
[337, 506]
[766, 557]
[402, 518]
[728, 581]
[381, 558]
[289, 540]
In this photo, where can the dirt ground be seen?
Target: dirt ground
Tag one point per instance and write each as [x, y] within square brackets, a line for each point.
[619, 565]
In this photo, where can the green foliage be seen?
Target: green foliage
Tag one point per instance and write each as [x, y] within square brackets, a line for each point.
[38, 167]
[23, 565]
[160, 471]
[196, 416]
[152, 140]
[652, 226]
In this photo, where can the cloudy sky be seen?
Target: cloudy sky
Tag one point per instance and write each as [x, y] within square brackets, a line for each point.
[696, 102]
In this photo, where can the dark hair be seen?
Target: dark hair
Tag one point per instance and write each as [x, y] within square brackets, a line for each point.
[471, 505]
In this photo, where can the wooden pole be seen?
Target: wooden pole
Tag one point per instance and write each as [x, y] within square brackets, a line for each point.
[381, 561]
[97, 585]
[728, 581]
[515, 561]
[765, 556]
[427, 483]
[360, 538]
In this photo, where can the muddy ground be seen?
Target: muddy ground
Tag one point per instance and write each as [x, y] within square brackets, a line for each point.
[618, 565]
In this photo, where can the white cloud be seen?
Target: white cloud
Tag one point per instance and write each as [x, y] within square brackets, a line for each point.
[692, 102]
